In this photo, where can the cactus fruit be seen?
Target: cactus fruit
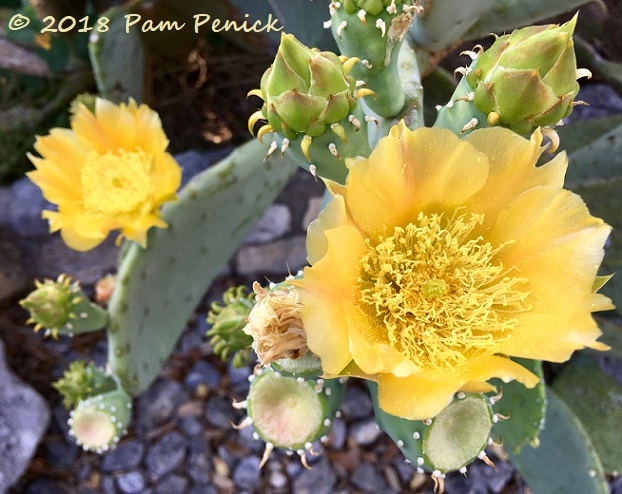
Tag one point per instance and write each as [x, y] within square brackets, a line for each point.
[61, 307]
[98, 422]
[309, 96]
[527, 78]
[291, 413]
[226, 334]
[307, 366]
[102, 408]
[375, 36]
[456, 436]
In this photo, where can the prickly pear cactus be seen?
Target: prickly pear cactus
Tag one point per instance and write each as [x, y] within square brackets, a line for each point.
[159, 287]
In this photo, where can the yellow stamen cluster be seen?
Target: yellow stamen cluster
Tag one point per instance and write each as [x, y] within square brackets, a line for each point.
[115, 183]
[439, 291]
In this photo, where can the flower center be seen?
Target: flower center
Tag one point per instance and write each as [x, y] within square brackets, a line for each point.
[440, 293]
[115, 183]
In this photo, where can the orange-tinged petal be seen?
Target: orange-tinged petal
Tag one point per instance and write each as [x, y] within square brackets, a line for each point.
[409, 172]
[331, 217]
[512, 168]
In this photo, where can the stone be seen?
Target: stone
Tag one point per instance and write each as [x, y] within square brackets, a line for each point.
[320, 480]
[190, 426]
[456, 482]
[365, 432]
[157, 404]
[246, 473]
[166, 454]
[220, 412]
[275, 223]
[497, 478]
[173, 484]
[128, 454]
[24, 418]
[203, 489]
[202, 372]
[132, 482]
[6, 198]
[198, 467]
[365, 477]
[280, 257]
[44, 486]
[338, 434]
[107, 485]
[27, 202]
[357, 403]
[603, 100]
[61, 454]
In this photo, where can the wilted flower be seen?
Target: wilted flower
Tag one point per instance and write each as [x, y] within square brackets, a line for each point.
[440, 258]
[275, 324]
[109, 172]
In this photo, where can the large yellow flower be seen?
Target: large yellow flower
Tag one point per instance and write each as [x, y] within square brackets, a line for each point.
[109, 172]
[442, 257]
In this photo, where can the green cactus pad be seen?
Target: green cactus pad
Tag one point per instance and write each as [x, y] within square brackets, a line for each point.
[595, 398]
[117, 58]
[159, 287]
[292, 413]
[565, 461]
[524, 407]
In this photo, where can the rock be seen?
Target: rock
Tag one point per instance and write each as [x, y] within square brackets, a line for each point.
[365, 432]
[456, 482]
[203, 489]
[202, 372]
[6, 198]
[366, 478]
[173, 484]
[27, 202]
[190, 426]
[24, 417]
[128, 454]
[275, 223]
[320, 480]
[357, 403]
[44, 486]
[497, 478]
[198, 467]
[61, 454]
[107, 485]
[220, 412]
[246, 473]
[338, 434]
[132, 482]
[277, 257]
[157, 404]
[603, 100]
[54, 257]
[166, 454]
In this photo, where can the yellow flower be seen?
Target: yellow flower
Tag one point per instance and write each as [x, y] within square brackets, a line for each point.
[109, 172]
[440, 258]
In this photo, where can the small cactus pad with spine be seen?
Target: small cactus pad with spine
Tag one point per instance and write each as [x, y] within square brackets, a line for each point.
[456, 436]
[98, 422]
[61, 307]
[226, 334]
[292, 413]
[307, 366]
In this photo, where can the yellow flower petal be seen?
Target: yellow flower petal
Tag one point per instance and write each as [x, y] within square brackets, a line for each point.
[512, 168]
[409, 172]
[333, 216]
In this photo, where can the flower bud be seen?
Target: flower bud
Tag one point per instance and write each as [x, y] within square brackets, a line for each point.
[304, 91]
[527, 78]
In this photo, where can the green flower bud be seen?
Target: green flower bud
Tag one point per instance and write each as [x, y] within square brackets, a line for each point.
[81, 381]
[304, 91]
[61, 307]
[227, 335]
[527, 78]
[372, 7]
